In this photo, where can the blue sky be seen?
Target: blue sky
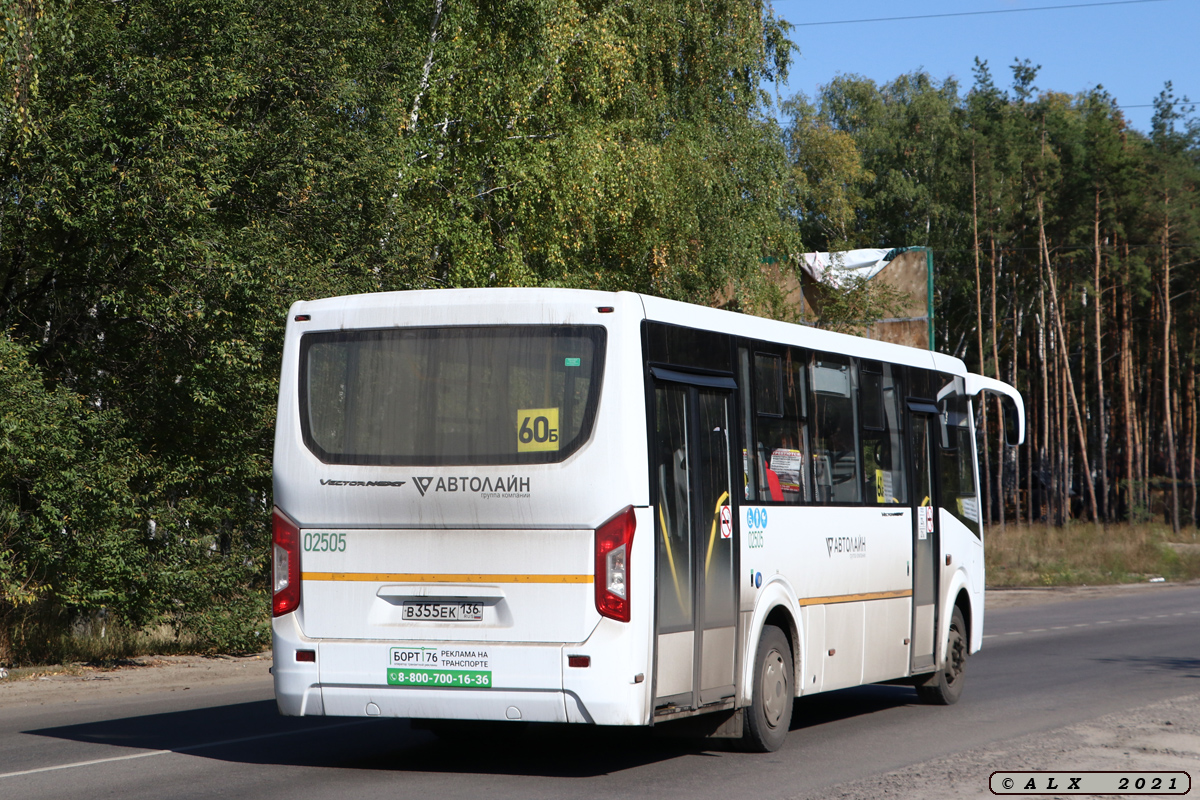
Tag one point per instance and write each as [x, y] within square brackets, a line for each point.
[1130, 49]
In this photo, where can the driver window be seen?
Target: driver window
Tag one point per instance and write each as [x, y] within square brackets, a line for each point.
[957, 462]
[837, 469]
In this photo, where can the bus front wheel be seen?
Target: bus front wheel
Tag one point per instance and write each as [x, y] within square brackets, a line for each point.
[945, 686]
[770, 713]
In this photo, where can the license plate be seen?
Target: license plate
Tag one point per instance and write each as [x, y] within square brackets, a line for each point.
[444, 612]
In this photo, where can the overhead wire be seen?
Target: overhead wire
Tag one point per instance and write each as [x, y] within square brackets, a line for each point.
[1184, 101]
[973, 13]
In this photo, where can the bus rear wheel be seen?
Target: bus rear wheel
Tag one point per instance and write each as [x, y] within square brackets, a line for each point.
[770, 713]
[945, 686]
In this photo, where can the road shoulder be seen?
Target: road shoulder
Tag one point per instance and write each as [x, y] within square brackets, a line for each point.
[145, 675]
[1039, 595]
[1164, 736]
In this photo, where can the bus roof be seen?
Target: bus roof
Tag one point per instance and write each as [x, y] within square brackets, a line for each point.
[536, 305]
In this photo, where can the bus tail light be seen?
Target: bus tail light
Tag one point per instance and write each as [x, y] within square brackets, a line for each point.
[614, 542]
[285, 564]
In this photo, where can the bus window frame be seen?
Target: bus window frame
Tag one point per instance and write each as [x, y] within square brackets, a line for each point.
[799, 357]
[597, 333]
[854, 389]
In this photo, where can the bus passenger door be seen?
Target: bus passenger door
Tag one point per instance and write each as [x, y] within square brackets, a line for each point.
[926, 549]
[695, 632]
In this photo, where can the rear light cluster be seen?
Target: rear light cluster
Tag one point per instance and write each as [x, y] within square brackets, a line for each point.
[614, 542]
[285, 564]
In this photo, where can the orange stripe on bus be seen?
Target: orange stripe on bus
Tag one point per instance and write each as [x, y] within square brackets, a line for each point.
[401, 577]
[854, 598]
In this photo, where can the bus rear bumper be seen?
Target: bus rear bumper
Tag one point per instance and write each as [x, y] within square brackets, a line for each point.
[524, 681]
[468, 704]
[297, 683]
[399, 679]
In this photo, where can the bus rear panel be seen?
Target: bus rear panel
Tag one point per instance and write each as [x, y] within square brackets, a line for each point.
[439, 488]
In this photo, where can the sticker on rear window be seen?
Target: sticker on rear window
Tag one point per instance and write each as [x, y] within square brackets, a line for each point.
[537, 429]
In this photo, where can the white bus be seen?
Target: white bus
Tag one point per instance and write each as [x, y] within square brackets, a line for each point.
[569, 506]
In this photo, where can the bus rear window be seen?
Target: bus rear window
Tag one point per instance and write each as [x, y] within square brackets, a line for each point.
[450, 396]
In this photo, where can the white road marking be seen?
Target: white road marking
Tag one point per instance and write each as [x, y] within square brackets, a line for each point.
[187, 749]
[1067, 627]
[84, 763]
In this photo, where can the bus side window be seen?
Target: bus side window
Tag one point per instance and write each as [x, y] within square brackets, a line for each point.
[749, 480]
[884, 474]
[836, 462]
[783, 444]
[768, 404]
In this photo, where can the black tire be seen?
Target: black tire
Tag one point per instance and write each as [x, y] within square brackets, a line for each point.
[945, 686]
[769, 716]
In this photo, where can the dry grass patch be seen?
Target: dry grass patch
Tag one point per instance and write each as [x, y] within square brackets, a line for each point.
[1084, 553]
[42, 645]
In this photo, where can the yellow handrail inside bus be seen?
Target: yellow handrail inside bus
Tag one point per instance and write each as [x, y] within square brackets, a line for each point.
[662, 521]
[712, 536]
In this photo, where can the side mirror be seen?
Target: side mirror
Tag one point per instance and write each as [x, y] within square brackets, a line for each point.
[1012, 431]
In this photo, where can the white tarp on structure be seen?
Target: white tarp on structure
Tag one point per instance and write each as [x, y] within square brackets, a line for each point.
[835, 267]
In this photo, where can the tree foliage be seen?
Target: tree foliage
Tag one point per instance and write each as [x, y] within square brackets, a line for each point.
[176, 172]
[626, 150]
[1086, 233]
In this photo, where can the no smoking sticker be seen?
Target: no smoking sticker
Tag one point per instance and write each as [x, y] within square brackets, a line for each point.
[726, 522]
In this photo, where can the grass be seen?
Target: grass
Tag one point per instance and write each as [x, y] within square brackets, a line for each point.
[1083, 553]
[45, 634]
[40, 643]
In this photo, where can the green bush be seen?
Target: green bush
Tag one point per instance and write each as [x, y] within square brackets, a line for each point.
[85, 527]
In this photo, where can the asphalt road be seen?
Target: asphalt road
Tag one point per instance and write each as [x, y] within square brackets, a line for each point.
[1042, 667]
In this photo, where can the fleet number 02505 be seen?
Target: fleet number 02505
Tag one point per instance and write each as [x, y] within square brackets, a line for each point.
[325, 542]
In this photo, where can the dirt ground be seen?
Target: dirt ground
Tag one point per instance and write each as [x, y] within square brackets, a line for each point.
[75, 682]
[1161, 737]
